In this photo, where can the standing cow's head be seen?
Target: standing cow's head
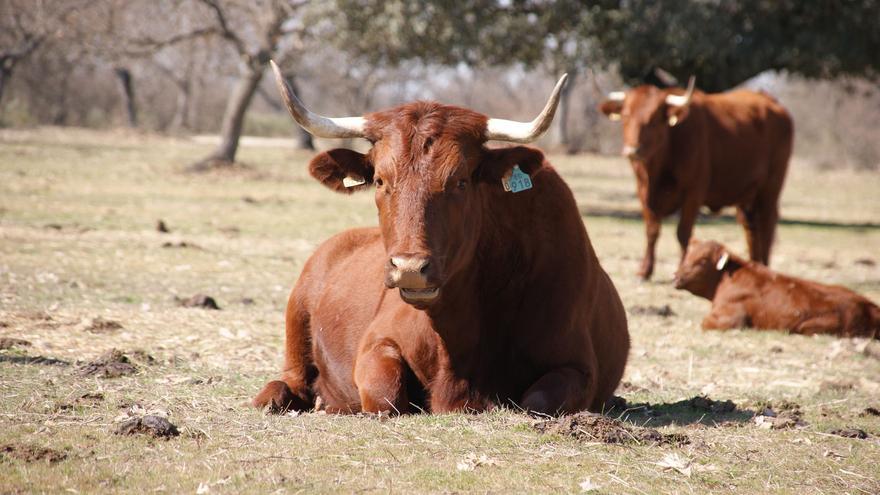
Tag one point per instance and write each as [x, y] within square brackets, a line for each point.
[647, 114]
[431, 172]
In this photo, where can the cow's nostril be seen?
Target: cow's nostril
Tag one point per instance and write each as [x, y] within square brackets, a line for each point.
[424, 269]
[392, 263]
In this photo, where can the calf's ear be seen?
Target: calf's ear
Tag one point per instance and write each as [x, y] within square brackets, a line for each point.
[611, 108]
[498, 162]
[342, 170]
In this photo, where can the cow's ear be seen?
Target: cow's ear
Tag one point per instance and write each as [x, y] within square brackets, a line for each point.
[342, 170]
[611, 108]
[675, 115]
[498, 162]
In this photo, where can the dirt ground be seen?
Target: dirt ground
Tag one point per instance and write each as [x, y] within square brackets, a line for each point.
[117, 374]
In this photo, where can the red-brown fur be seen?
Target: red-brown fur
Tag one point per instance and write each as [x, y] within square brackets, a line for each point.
[525, 314]
[747, 294]
[728, 149]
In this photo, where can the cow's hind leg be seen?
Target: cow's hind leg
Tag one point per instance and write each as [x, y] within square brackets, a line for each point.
[293, 391]
[767, 218]
[748, 219]
[380, 376]
[560, 391]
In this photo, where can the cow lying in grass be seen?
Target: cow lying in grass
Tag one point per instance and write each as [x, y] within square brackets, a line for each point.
[478, 287]
[748, 294]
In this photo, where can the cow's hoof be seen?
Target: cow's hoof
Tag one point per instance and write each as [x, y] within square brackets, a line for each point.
[276, 397]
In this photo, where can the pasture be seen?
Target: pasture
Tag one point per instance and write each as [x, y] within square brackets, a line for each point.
[83, 270]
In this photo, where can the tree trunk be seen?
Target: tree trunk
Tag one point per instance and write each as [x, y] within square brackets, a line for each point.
[564, 111]
[303, 137]
[233, 121]
[181, 118]
[127, 87]
[5, 73]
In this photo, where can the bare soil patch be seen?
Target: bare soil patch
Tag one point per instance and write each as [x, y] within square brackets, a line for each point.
[598, 428]
[663, 311]
[100, 325]
[198, 301]
[153, 425]
[113, 364]
[850, 433]
[31, 453]
[10, 342]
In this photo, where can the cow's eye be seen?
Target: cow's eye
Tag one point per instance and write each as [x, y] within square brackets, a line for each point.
[462, 183]
[379, 182]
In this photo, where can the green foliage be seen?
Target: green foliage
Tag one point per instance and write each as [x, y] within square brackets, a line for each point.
[722, 42]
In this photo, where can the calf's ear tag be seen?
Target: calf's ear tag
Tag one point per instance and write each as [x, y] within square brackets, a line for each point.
[516, 181]
[673, 120]
[353, 181]
[722, 261]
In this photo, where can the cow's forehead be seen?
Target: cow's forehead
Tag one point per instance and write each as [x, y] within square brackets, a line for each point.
[645, 98]
[425, 138]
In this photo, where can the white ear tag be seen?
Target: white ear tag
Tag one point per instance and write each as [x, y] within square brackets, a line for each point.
[353, 181]
[516, 180]
[613, 116]
[722, 261]
[673, 120]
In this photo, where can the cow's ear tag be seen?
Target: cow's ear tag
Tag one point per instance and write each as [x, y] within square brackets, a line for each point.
[722, 261]
[613, 116]
[516, 181]
[673, 120]
[353, 181]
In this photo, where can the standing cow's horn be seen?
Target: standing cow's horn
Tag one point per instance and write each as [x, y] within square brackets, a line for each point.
[318, 125]
[617, 95]
[525, 132]
[682, 101]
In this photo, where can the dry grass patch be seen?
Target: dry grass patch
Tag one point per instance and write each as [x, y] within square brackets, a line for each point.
[79, 248]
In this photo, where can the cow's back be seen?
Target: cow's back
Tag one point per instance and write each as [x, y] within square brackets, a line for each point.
[749, 140]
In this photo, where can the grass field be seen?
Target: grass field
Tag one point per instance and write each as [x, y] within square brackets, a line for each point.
[79, 247]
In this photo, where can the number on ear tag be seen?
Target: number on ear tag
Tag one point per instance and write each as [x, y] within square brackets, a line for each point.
[353, 181]
[518, 181]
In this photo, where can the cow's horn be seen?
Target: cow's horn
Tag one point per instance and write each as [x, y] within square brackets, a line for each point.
[682, 101]
[525, 132]
[617, 95]
[318, 125]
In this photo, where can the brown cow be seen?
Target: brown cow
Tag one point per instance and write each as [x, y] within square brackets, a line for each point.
[747, 294]
[466, 295]
[705, 149]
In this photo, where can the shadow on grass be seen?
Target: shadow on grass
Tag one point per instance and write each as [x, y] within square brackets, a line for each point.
[42, 360]
[698, 410]
[725, 219]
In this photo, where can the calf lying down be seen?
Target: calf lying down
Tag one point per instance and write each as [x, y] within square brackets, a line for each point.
[747, 294]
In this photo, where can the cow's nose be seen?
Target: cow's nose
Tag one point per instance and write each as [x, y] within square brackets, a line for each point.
[630, 151]
[409, 271]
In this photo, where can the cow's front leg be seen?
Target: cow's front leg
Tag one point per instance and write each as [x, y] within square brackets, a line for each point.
[560, 391]
[686, 221]
[652, 232]
[379, 377]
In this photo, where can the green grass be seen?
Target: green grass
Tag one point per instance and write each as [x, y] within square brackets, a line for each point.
[77, 240]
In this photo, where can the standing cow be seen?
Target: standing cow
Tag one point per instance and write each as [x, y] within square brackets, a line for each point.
[728, 149]
[466, 295]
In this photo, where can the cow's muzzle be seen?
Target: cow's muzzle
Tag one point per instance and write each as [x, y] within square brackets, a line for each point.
[412, 276]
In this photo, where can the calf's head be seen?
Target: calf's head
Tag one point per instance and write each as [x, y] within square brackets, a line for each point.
[647, 113]
[431, 172]
[702, 267]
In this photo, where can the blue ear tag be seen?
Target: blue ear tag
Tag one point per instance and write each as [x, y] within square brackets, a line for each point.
[518, 181]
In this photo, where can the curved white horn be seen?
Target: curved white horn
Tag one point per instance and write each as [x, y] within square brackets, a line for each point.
[682, 101]
[525, 132]
[318, 125]
[617, 95]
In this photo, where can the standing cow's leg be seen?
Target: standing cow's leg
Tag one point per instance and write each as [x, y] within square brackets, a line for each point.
[561, 391]
[652, 232]
[293, 391]
[380, 379]
[686, 221]
[767, 218]
[748, 218]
